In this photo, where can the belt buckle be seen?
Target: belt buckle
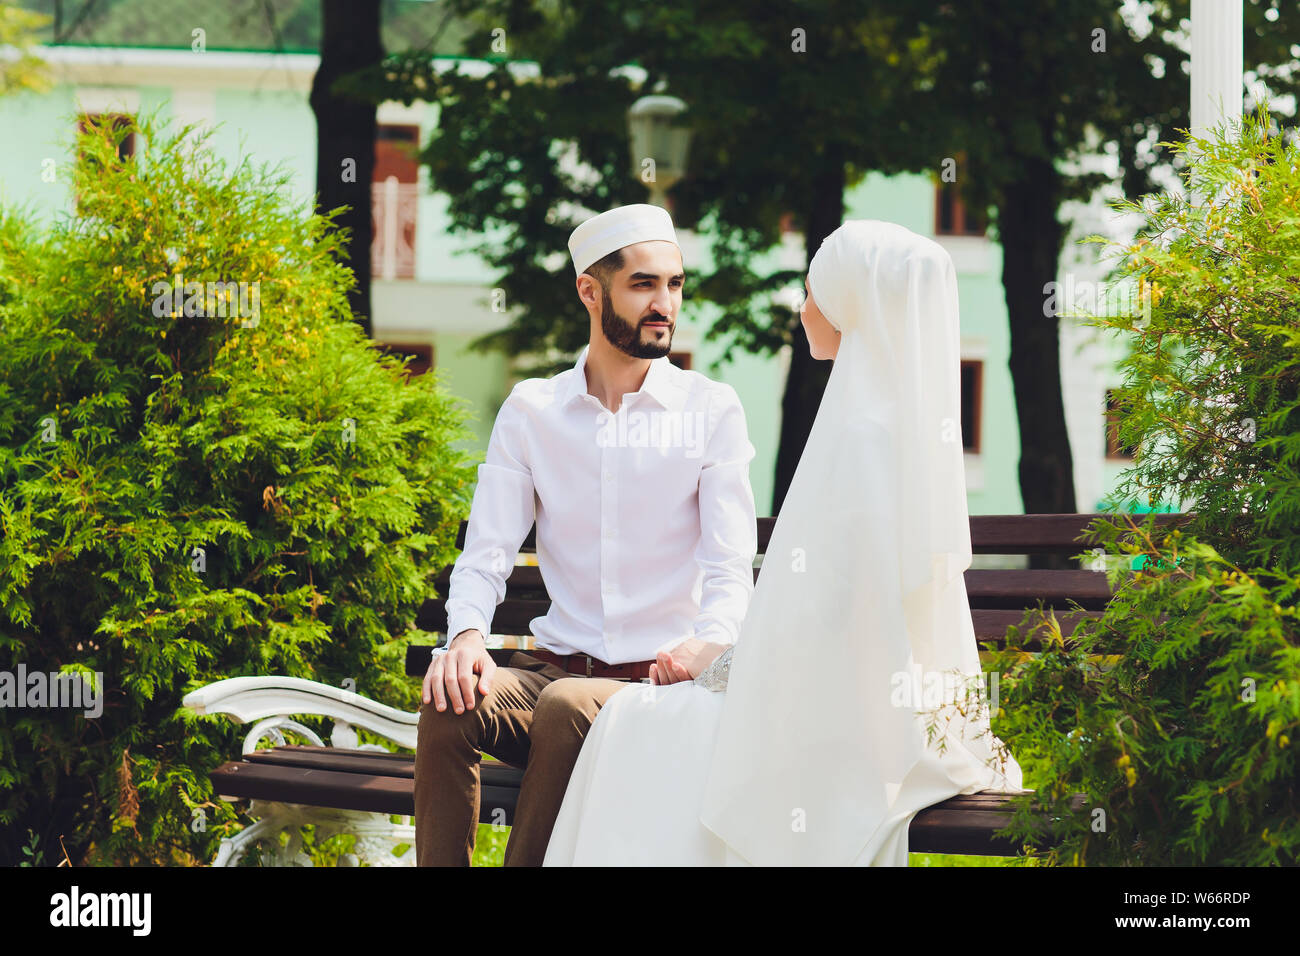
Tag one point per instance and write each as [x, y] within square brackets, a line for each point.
[588, 657]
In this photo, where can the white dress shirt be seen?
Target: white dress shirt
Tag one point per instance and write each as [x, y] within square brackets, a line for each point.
[646, 530]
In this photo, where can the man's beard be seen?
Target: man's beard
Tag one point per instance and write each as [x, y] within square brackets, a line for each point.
[626, 336]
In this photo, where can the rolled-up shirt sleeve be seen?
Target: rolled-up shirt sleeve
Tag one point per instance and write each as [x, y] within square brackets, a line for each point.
[500, 515]
[728, 523]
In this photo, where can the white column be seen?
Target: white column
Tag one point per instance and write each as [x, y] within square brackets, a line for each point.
[1218, 63]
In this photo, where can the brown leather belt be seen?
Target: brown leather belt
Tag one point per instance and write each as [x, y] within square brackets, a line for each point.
[588, 666]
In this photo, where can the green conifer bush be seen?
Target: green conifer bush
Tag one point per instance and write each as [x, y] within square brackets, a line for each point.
[206, 471]
[1178, 712]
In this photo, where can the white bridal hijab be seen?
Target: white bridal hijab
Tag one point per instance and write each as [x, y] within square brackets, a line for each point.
[860, 616]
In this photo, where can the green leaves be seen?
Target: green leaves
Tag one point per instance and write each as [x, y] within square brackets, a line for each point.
[1183, 730]
[219, 497]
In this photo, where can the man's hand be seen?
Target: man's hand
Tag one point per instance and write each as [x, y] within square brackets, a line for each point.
[451, 675]
[686, 661]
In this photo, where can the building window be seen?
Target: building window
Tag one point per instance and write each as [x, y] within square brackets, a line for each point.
[972, 391]
[421, 356]
[109, 125]
[952, 217]
[681, 359]
[1114, 414]
[394, 197]
[116, 122]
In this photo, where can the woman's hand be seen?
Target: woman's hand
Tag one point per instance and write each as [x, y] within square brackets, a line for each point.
[668, 670]
[686, 661]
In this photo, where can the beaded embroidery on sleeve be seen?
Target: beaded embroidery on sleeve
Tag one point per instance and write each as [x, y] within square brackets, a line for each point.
[714, 677]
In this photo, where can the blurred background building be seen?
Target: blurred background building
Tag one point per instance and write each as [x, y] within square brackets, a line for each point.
[431, 296]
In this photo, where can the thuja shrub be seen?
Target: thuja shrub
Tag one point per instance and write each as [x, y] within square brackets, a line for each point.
[1177, 712]
[206, 471]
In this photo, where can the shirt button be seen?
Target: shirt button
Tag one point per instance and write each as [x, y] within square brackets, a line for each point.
[609, 476]
[609, 532]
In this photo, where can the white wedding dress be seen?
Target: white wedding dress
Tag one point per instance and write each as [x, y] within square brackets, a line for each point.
[635, 794]
[825, 744]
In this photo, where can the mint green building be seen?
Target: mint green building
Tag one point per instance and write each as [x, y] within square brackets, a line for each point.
[431, 297]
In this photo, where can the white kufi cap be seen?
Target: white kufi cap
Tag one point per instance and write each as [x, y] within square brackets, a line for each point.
[622, 226]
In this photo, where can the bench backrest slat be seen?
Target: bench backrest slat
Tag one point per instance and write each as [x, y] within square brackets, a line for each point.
[1007, 587]
[990, 534]
[998, 597]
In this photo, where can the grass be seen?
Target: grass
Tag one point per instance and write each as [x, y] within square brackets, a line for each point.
[952, 859]
[490, 847]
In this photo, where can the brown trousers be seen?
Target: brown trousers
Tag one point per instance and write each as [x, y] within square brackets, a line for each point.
[534, 716]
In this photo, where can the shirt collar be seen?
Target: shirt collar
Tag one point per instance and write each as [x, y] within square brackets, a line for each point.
[661, 382]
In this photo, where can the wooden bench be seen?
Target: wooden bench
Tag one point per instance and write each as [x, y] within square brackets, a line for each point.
[287, 781]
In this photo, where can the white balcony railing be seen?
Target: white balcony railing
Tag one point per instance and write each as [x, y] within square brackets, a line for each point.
[392, 248]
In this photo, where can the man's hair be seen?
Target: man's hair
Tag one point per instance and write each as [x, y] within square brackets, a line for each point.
[602, 270]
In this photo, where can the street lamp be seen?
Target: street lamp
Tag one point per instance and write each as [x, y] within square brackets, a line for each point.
[658, 147]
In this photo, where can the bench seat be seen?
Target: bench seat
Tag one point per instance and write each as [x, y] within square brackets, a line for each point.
[384, 783]
[350, 787]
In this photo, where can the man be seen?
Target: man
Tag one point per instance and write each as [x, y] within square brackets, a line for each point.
[637, 475]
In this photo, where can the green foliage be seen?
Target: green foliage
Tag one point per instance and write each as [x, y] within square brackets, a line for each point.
[323, 488]
[281, 26]
[1177, 711]
[19, 32]
[35, 855]
[883, 86]
[523, 159]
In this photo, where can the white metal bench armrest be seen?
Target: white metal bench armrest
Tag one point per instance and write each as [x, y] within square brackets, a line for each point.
[254, 698]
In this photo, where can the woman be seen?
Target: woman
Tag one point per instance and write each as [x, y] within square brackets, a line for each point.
[815, 748]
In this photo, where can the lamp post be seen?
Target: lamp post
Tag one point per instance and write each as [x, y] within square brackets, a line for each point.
[658, 147]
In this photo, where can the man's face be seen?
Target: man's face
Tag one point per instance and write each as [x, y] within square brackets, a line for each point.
[638, 313]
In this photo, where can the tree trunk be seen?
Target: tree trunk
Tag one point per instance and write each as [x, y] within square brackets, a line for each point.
[1031, 239]
[345, 134]
[806, 380]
